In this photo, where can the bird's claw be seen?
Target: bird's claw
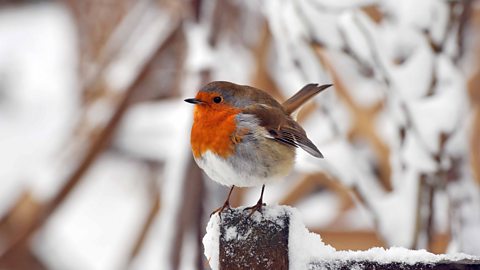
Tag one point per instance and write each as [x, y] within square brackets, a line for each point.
[219, 210]
[257, 207]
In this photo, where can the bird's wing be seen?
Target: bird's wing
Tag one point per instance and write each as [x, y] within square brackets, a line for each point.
[302, 96]
[282, 128]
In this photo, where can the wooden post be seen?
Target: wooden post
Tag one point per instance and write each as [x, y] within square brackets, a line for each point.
[237, 241]
[255, 242]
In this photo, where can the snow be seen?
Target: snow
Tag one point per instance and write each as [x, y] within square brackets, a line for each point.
[357, 218]
[151, 30]
[40, 103]
[324, 208]
[320, 23]
[415, 74]
[99, 222]
[306, 248]
[428, 15]
[423, 93]
[364, 92]
[303, 246]
[293, 68]
[398, 211]
[465, 228]
[344, 4]
[154, 255]
[211, 241]
[238, 71]
[353, 35]
[399, 254]
[146, 133]
[39, 96]
[231, 233]
[199, 52]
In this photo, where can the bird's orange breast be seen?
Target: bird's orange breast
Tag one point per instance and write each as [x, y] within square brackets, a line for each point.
[213, 129]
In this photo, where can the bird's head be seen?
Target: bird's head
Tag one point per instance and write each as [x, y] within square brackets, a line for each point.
[218, 96]
[221, 95]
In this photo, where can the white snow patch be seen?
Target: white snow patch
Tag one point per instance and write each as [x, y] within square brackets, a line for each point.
[303, 246]
[211, 241]
[323, 208]
[99, 223]
[39, 96]
[147, 131]
[231, 233]
[150, 31]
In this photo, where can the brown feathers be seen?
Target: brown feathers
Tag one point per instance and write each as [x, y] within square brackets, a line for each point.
[282, 128]
[302, 96]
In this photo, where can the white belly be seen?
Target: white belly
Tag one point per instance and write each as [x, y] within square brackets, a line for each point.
[221, 171]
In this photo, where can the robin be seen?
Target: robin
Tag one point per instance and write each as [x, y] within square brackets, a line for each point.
[241, 136]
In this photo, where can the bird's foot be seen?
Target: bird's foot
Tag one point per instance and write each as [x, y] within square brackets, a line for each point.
[219, 210]
[257, 207]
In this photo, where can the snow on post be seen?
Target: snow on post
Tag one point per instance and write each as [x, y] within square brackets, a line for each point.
[277, 239]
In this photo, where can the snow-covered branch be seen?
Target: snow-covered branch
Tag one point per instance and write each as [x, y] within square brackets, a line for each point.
[276, 238]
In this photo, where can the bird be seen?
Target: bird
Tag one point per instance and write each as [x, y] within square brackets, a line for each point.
[242, 137]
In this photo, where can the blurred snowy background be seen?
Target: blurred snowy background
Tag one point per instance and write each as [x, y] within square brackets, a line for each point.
[95, 166]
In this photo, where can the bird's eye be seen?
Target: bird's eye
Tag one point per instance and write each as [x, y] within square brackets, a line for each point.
[217, 99]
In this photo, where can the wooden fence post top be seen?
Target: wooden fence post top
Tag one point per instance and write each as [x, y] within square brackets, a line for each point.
[236, 241]
[276, 238]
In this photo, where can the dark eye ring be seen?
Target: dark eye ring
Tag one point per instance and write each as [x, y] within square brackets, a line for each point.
[217, 99]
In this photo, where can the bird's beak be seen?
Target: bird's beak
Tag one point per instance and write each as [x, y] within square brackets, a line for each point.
[193, 101]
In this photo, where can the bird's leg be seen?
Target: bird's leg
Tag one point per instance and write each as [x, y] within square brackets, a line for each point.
[258, 206]
[226, 204]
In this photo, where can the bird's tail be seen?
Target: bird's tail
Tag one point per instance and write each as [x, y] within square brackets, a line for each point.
[302, 96]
